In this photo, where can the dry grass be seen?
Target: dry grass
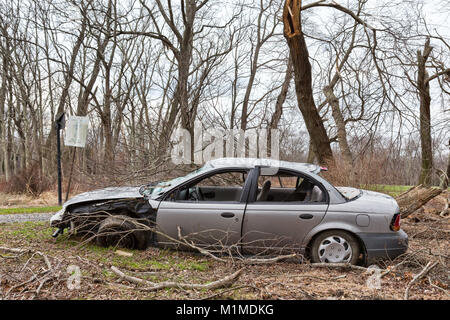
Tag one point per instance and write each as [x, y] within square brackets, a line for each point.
[47, 198]
[429, 241]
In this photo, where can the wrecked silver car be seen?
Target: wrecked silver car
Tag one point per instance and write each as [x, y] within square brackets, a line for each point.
[253, 206]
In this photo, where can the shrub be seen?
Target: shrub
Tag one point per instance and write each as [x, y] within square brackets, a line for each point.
[30, 181]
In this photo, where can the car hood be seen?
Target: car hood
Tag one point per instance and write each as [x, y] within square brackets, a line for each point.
[107, 194]
[99, 194]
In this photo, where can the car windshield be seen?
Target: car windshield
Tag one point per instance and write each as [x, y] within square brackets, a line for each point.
[161, 187]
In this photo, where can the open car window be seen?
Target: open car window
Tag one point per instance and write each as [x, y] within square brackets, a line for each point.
[222, 186]
[288, 187]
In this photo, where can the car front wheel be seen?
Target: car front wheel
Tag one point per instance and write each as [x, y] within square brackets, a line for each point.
[121, 231]
[335, 246]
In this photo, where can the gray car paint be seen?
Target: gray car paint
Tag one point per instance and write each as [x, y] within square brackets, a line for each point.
[202, 222]
[279, 226]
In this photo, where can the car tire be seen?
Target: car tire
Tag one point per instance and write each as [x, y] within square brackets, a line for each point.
[121, 231]
[335, 246]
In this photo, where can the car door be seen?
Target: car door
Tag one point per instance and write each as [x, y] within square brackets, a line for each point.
[214, 221]
[276, 226]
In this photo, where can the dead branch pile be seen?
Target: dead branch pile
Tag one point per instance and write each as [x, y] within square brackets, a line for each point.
[32, 276]
[35, 272]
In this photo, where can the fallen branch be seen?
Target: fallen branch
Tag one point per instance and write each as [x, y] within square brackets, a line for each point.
[268, 260]
[152, 286]
[242, 260]
[14, 250]
[338, 265]
[229, 290]
[437, 287]
[419, 276]
[201, 250]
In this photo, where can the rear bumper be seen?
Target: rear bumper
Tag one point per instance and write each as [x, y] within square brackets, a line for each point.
[384, 245]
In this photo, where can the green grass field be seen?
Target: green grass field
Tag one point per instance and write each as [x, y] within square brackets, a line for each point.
[29, 210]
[392, 190]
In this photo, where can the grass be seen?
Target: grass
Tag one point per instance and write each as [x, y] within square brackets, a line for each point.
[29, 210]
[30, 230]
[392, 190]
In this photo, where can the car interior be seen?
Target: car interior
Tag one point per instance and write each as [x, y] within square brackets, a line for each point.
[226, 186]
[286, 187]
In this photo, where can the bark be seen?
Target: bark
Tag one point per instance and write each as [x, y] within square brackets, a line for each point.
[311, 153]
[423, 87]
[415, 198]
[303, 81]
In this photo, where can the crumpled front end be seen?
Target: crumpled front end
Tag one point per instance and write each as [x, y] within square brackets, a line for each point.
[57, 218]
[108, 200]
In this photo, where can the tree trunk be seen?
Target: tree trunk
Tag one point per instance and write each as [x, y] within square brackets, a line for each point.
[4, 121]
[303, 81]
[446, 180]
[311, 154]
[276, 116]
[425, 124]
[340, 124]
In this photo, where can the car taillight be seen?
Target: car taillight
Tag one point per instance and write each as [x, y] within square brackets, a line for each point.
[395, 224]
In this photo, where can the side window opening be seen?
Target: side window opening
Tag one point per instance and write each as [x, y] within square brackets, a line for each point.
[222, 186]
[288, 187]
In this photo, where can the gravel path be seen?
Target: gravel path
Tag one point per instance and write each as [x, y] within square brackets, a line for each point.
[22, 217]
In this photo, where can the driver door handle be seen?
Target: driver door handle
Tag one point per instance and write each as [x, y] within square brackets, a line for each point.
[227, 214]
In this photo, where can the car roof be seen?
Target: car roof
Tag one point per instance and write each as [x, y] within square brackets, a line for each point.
[263, 162]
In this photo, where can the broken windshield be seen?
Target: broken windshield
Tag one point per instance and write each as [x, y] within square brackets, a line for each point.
[158, 189]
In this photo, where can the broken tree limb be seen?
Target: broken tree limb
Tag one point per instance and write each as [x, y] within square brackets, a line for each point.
[23, 251]
[419, 276]
[338, 265]
[268, 260]
[415, 198]
[152, 286]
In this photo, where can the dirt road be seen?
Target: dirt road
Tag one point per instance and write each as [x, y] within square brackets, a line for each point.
[22, 217]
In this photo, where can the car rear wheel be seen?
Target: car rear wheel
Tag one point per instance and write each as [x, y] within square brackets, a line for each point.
[335, 246]
[121, 231]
